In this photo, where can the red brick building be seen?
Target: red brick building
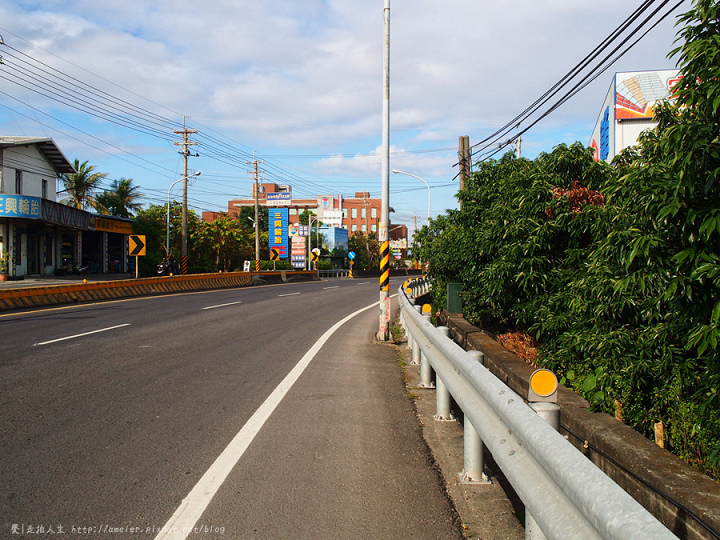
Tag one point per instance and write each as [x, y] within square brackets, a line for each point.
[360, 213]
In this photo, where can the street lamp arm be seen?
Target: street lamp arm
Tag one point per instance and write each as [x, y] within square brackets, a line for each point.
[424, 182]
[167, 229]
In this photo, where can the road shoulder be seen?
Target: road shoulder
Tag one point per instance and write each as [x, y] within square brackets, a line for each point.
[486, 510]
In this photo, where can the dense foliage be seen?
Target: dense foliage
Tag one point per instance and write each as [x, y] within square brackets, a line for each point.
[222, 245]
[614, 269]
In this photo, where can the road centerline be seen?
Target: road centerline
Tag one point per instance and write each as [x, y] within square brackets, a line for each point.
[81, 335]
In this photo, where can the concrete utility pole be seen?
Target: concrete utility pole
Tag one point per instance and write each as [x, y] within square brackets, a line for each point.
[185, 144]
[256, 172]
[384, 331]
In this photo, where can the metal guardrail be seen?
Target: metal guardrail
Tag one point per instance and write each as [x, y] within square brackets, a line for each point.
[567, 496]
[337, 272]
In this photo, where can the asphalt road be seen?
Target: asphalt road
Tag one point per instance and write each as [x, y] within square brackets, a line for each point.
[220, 412]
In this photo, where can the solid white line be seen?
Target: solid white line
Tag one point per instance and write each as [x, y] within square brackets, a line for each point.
[335, 287]
[81, 335]
[288, 294]
[192, 507]
[221, 305]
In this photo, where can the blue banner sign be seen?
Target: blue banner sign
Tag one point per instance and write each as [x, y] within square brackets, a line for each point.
[278, 199]
[278, 231]
[19, 206]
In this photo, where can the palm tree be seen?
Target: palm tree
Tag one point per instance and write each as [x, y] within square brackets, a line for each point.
[121, 199]
[81, 186]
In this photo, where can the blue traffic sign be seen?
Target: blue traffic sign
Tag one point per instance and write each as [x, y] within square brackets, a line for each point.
[351, 255]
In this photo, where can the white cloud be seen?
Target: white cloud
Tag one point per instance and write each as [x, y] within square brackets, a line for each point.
[306, 76]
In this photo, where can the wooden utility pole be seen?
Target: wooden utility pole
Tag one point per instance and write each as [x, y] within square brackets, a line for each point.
[185, 152]
[463, 160]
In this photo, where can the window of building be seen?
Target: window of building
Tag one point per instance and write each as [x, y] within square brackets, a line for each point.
[292, 212]
[344, 213]
[364, 228]
[18, 182]
[44, 189]
[354, 228]
[363, 213]
[373, 227]
[373, 212]
[354, 213]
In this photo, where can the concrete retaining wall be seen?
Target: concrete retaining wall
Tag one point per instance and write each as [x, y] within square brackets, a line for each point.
[105, 290]
[682, 498]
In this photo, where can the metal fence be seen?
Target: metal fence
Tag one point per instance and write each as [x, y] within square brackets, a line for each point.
[337, 272]
[565, 495]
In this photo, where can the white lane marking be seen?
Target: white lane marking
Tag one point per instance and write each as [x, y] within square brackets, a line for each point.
[288, 294]
[83, 334]
[222, 305]
[192, 507]
[363, 283]
[335, 287]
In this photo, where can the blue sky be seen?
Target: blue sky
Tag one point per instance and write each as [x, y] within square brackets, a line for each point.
[300, 84]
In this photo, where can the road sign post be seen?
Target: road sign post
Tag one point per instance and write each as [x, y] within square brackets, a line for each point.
[136, 248]
[351, 256]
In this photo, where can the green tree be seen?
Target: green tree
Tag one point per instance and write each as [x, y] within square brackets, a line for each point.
[367, 250]
[151, 222]
[616, 270]
[81, 186]
[246, 217]
[226, 241]
[122, 199]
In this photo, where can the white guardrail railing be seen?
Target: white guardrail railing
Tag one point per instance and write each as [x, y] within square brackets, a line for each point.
[565, 494]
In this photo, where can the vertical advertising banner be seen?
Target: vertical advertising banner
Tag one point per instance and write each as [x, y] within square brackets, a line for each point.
[278, 230]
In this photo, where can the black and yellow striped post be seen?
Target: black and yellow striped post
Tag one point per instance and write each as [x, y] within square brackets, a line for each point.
[385, 267]
[183, 265]
[257, 266]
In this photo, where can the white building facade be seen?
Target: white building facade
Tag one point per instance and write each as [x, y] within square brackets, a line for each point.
[41, 235]
[628, 109]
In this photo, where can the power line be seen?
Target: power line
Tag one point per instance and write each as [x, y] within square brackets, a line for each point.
[596, 70]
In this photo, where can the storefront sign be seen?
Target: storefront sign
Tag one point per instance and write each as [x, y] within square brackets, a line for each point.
[113, 225]
[278, 231]
[19, 206]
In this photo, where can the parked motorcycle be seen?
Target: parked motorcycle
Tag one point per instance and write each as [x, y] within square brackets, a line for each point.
[167, 268]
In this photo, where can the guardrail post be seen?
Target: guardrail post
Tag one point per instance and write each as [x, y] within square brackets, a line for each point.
[442, 395]
[412, 343]
[474, 449]
[542, 398]
[426, 370]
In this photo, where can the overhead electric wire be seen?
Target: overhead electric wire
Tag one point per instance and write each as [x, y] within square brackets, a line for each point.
[79, 130]
[570, 74]
[595, 71]
[45, 80]
[588, 79]
[86, 88]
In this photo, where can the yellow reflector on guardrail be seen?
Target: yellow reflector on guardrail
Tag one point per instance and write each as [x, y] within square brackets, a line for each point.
[543, 386]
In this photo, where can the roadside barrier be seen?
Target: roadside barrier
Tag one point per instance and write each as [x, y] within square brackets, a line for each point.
[107, 290]
[335, 272]
[567, 496]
